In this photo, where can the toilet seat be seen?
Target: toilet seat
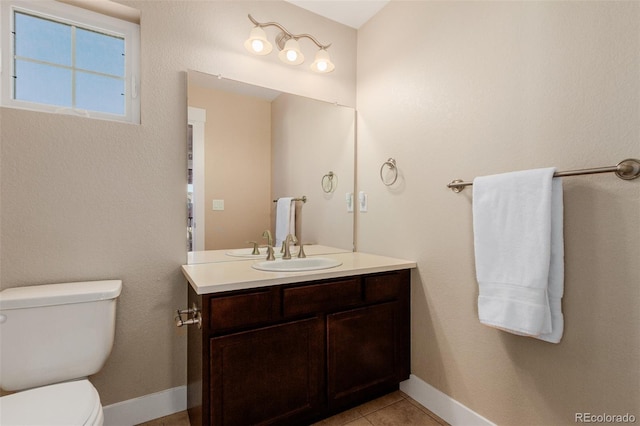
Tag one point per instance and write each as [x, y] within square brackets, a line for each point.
[64, 404]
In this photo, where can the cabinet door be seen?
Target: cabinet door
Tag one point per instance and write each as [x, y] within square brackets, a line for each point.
[363, 353]
[269, 375]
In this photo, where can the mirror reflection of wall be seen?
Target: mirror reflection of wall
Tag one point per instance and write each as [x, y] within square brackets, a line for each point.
[311, 138]
[237, 158]
[260, 145]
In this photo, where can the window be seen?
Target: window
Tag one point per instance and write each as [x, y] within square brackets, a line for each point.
[60, 58]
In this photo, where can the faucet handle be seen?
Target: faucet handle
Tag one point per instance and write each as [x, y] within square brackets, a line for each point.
[270, 254]
[255, 250]
[301, 253]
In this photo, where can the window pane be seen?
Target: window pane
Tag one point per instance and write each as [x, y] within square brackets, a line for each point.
[63, 58]
[99, 52]
[42, 39]
[98, 93]
[43, 84]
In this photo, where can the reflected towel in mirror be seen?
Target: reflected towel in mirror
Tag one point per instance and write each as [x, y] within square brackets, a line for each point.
[285, 219]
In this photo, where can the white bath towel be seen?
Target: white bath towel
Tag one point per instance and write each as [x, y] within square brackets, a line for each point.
[285, 219]
[519, 250]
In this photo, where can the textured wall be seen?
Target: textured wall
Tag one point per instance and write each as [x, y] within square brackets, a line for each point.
[85, 199]
[455, 90]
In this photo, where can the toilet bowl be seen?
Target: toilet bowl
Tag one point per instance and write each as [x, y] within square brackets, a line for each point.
[64, 404]
[52, 337]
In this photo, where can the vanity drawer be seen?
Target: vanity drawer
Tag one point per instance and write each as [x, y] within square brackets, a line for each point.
[239, 310]
[321, 297]
[384, 286]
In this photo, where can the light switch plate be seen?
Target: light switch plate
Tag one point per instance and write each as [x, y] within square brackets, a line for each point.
[349, 199]
[363, 200]
[218, 204]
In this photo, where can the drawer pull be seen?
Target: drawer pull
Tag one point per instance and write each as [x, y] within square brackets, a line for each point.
[193, 312]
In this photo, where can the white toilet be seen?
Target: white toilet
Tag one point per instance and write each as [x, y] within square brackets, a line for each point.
[51, 338]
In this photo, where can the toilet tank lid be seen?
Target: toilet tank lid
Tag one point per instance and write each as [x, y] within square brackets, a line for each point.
[59, 294]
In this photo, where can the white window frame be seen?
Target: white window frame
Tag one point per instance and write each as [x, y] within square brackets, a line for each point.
[82, 18]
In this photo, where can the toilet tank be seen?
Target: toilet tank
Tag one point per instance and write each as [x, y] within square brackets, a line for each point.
[56, 332]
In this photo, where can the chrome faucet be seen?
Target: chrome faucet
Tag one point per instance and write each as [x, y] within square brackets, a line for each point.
[270, 255]
[287, 242]
[267, 234]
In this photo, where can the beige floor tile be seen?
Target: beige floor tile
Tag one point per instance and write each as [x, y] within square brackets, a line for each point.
[401, 413]
[379, 403]
[393, 409]
[341, 418]
[425, 410]
[360, 422]
[177, 419]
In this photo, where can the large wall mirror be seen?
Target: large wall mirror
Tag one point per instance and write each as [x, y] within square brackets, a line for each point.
[249, 146]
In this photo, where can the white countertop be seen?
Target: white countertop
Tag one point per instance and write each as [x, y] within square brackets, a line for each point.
[208, 278]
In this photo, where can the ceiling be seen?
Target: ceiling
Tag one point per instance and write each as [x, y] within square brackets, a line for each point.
[353, 13]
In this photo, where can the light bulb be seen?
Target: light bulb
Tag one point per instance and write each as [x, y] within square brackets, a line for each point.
[322, 62]
[292, 55]
[257, 46]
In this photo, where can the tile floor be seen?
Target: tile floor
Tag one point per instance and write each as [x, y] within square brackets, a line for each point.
[394, 409]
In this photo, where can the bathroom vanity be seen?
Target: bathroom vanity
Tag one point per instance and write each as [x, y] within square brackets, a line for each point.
[295, 347]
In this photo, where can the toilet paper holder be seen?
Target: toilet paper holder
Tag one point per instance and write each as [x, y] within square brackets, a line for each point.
[194, 316]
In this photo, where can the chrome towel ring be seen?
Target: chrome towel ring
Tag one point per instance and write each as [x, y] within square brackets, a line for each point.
[329, 182]
[393, 172]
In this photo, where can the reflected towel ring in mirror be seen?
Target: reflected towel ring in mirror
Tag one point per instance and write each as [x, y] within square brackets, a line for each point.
[329, 182]
[392, 173]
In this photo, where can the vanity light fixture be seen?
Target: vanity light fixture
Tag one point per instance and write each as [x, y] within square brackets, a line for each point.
[257, 42]
[288, 45]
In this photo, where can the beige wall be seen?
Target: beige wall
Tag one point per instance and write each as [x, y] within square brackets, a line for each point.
[465, 89]
[237, 166]
[85, 199]
[455, 90]
[310, 139]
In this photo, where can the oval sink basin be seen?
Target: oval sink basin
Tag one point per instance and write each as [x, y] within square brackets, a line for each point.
[297, 265]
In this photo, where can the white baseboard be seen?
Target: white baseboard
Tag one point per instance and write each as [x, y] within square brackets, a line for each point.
[164, 403]
[145, 408]
[442, 404]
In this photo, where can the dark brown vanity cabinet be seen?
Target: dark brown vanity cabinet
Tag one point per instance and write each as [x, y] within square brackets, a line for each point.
[292, 354]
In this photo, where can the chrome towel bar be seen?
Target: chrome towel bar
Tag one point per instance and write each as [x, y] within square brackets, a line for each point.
[626, 169]
[303, 199]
